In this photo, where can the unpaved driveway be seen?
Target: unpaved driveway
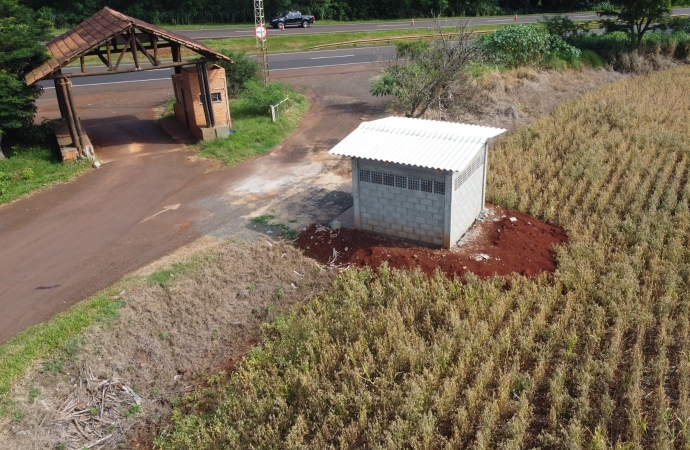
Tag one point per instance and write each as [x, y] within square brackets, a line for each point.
[62, 245]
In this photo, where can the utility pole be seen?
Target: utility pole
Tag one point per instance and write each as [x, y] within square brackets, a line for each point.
[260, 32]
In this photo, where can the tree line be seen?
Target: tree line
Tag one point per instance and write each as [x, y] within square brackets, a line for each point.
[63, 14]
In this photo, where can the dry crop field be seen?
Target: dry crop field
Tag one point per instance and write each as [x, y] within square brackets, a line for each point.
[595, 355]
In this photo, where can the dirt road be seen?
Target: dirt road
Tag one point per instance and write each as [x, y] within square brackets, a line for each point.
[151, 197]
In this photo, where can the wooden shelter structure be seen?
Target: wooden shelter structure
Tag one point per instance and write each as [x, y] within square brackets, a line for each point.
[110, 35]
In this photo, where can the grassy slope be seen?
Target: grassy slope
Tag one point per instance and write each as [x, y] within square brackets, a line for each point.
[595, 357]
[32, 169]
[256, 135]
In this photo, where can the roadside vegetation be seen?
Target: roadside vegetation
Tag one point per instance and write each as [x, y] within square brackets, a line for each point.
[253, 132]
[594, 356]
[32, 163]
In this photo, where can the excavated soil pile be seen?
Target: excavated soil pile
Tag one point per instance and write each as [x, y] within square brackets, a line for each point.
[504, 242]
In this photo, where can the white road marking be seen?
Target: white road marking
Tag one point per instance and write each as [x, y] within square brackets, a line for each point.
[165, 208]
[329, 57]
[500, 20]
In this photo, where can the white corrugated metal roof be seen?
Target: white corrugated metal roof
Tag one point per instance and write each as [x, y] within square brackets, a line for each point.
[417, 142]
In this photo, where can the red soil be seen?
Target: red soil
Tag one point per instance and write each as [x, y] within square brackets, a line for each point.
[524, 246]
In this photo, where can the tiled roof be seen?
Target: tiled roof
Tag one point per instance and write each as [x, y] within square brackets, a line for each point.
[417, 142]
[94, 32]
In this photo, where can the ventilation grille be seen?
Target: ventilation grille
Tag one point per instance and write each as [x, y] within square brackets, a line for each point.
[401, 181]
[467, 173]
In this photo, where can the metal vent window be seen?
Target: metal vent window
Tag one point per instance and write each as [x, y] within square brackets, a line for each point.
[439, 187]
[401, 181]
[377, 177]
[467, 173]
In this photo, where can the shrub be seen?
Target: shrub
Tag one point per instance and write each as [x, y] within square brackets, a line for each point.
[589, 58]
[259, 98]
[524, 45]
[245, 68]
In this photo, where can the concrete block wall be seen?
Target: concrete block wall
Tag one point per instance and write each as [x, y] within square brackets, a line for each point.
[467, 203]
[400, 212]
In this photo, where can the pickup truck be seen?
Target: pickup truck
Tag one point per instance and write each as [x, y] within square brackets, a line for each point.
[292, 18]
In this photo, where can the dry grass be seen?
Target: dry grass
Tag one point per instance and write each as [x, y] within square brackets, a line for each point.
[596, 357]
[177, 323]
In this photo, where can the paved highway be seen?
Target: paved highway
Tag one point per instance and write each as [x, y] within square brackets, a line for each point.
[277, 62]
[309, 59]
[222, 33]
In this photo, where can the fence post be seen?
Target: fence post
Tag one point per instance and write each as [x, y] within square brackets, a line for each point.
[273, 113]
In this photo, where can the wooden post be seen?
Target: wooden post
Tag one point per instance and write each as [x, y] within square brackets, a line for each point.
[107, 50]
[177, 56]
[122, 54]
[154, 42]
[60, 98]
[83, 65]
[133, 47]
[62, 83]
[205, 88]
[77, 122]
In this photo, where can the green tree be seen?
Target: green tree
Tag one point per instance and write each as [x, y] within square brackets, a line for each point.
[636, 17]
[425, 74]
[20, 32]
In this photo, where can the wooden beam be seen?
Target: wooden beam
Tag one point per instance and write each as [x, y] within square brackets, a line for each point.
[133, 69]
[119, 59]
[114, 51]
[154, 39]
[102, 58]
[83, 65]
[133, 47]
[143, 50]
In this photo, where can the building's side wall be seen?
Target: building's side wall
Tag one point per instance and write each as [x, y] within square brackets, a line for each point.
[467, 189]
[189, 82]
[401, 212]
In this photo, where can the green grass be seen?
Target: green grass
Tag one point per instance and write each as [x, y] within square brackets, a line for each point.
[284, 41]
[29, 169]
[56, 340]
[255, 135]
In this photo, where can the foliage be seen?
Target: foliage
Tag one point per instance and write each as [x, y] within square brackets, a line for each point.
[255, 134]
[64, 14]
[259, 98]
[594, 356]
[636, 17]
[19, 49]
[426, 73]
[243, 69]
[614, 48]
[30, 168]
[564, 27]
[523, 45]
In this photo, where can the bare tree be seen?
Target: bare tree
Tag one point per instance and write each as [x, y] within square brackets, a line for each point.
[422, 74]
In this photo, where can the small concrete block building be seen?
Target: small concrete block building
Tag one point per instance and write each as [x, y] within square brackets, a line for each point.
[419, 180]
[189, 109]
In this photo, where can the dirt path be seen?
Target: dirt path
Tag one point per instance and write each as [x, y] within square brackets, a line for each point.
[62, 245]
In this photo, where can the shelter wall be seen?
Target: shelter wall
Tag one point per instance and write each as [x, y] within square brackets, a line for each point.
[401, 201]
[189, 101]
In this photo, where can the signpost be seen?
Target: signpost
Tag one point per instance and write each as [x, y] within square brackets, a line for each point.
[261, 33]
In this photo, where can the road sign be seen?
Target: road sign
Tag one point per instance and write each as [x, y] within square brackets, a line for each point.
[260, 32]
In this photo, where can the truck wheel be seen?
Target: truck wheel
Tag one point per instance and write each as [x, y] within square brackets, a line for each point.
[305, 24]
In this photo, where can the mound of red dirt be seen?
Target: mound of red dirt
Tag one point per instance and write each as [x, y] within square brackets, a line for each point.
[503, 243]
